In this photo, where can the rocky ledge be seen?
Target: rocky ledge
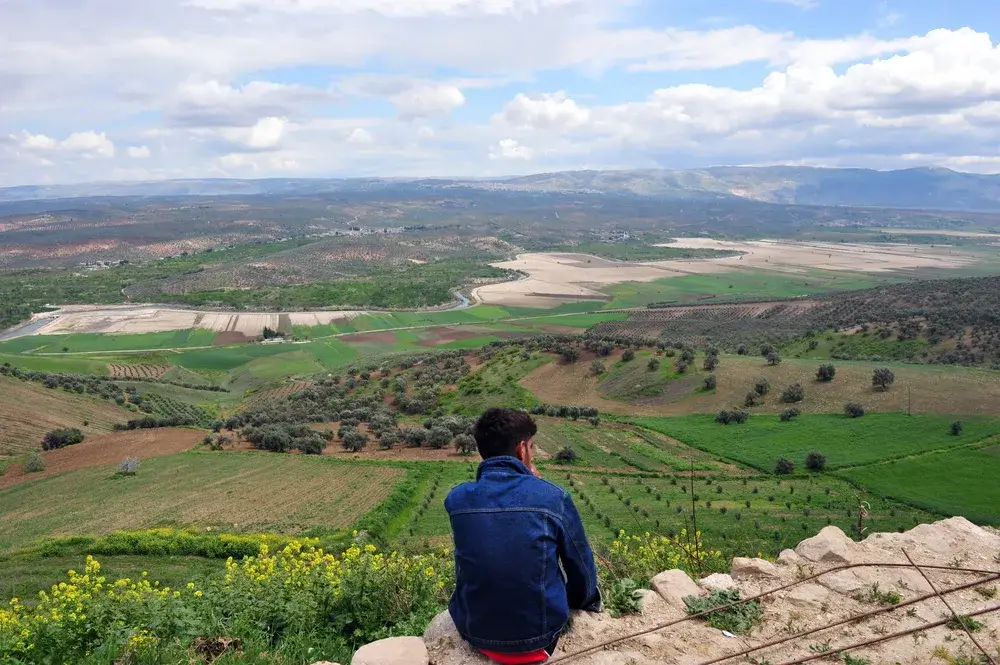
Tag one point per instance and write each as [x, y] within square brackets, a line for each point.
[806, 605]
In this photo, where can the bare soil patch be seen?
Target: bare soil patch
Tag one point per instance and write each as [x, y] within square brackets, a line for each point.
[231, 337]
[371, 338]
[108, 450]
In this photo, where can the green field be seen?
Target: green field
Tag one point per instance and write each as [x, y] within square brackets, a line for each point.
[58, 364]
[845, 441]
[94, 342]
[953, 482]
[754, 284]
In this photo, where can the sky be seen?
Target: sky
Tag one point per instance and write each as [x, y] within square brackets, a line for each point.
[99, 90]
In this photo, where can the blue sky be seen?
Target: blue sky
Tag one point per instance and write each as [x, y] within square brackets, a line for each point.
[115, 90]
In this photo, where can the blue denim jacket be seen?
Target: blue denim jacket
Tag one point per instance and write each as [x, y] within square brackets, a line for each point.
[522, 560]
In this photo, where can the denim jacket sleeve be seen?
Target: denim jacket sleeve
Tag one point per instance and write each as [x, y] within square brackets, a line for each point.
[578, 561]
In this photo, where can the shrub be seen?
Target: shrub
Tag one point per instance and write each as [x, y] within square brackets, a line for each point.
[415, 437]
[353, 441]
[597, 367]
[711, 362]
[681, 366]
[762, 387]
[732, 417]
[854, 410]
[766, 350]
[653, 364]
[826, 373]
[59, 438]
[128, 466]
[570, 354]
[815, 461]
[388, 438]
[751, 400]
[710, 382]
[773, 358]
[628, 355]
[882, 378]
[956, 428]
[789, 414]
[742, 350]
[793, 394]
[439, 437]
[35, 462]
[465, 444]
[567, 455]
[595, 421]
[784, 466]
[739, 619]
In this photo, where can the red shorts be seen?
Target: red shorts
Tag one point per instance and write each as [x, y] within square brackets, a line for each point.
[539, 656]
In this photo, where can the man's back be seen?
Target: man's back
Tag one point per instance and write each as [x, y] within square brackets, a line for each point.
[522, 559]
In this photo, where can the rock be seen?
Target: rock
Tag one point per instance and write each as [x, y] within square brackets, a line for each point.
[655, 609]
[744, 568]
[789, 558]
[831, 545]
[442, 626]
[673, 586]
[718, 581]
[810, 597]
[393, 651]
[446, 646]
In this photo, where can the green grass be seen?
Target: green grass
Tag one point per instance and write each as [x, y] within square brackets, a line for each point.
[58, 364]
[955, 482]
[241, 492]
[861, 346]
[24, 578]
[92, 342]
[737, 284]
[634, 382]
[229, 358]
[496, 384]
[573, 320]
[845, 441]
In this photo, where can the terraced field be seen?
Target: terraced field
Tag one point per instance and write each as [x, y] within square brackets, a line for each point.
[229, 491]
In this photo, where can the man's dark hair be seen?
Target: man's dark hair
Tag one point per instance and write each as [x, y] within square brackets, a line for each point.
[498, 431]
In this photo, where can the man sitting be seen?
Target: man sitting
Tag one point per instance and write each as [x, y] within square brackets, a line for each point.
[522, 560]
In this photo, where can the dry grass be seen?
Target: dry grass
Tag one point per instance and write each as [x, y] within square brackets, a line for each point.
[28, 411]
[227, 491]
[923, 388]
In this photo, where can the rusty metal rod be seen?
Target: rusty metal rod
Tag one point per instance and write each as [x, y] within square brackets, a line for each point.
[951, 609]
[885, 638]
[859, 617]
[669, 624]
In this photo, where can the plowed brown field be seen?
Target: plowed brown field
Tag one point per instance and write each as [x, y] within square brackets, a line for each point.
[108, 450]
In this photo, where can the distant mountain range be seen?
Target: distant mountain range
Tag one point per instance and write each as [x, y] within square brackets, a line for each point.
[918, 188]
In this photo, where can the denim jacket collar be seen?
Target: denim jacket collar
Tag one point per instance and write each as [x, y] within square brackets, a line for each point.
[502, 464]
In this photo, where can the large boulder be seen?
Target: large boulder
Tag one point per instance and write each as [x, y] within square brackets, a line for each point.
[831, 545]
[446, 646]
[675, 585]
[393, 651]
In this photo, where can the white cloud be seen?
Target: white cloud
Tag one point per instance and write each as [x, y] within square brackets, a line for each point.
[387, 7]
[138, 151]
[267, 132]
[86, 144]
[546, 111]
[360, 136]
[510, 149]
